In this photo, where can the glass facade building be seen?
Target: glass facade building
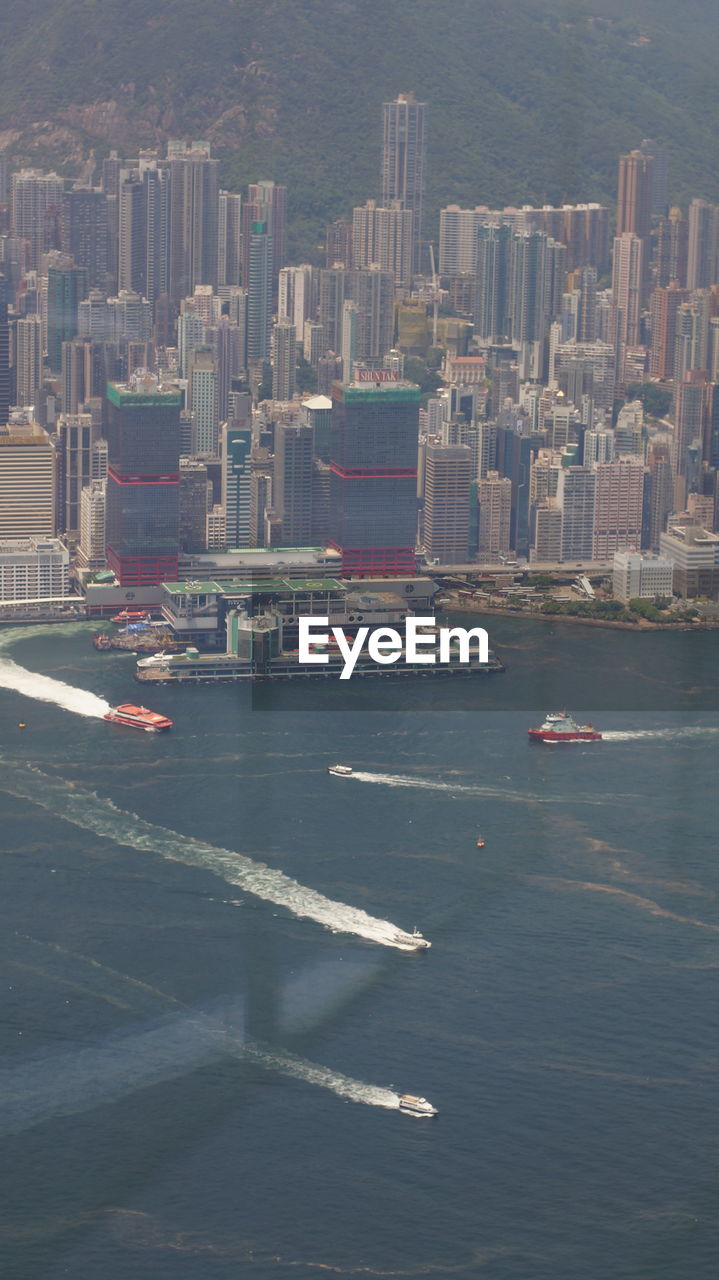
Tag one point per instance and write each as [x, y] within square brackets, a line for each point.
[373, 477]
[143, 436]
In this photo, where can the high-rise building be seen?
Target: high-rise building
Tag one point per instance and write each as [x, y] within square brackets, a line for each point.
[194, 217]
[664, 305]
[494, 496]
[297, 298]
[627, 290]
[75, 436]
[660, 175]
[202, 401]
[373, 494]
[384, 238]
[671, 249]
[618, 503]
[403, 159]
[447, 482]
[635, 194]
[284, 360]
[143, 436]
[338, 244]
[85, 232]
[229, 239]
[237, 484]
[575, 498]
[703, 245]
[691, 405]
[28, 479]
[91, 551]
[259, 292]
[5, 373]
[266, 202]
[143, 213]
[293, 483]
[36, 199]
[695, 554]
[492, 308]
[66, 288]
[28, 360]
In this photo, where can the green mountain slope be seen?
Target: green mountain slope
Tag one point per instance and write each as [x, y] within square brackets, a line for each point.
[530, 100]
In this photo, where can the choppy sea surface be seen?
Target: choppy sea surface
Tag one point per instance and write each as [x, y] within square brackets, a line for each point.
[208, 1013]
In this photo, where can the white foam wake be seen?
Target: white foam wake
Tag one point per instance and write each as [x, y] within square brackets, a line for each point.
[459, 788]
[47, 689]
[89, 811]
[666, 735]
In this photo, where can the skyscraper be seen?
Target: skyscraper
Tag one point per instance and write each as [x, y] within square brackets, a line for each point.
[634, 200]
[259, 292]
[403, 159]
[664, 305]
[494, 497]
[202, 400]
[229, 244]
[237, 484]
[5, 375]
[627, 286]
[36, 199]
[28, 360]
[373, 481]
[194, 217]
[660, 175]
[618, 499]
[492, 308]
[703, 248]
[575, 496]
[447, 480]
[28, 479]
[284, 360]
[293, 483]
[85, 233]
[384, 237]
[266, 202]
[143, 436]
[66, 287]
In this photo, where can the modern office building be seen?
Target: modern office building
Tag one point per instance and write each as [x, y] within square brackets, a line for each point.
[202, 401]
[143, 434]
[618, 506]
[237, 484]
[28, 479]
[373, 481]
[447, 480]
[75, 436]
[229, 239]
[575, 498]
[91, 550]
[293, 487]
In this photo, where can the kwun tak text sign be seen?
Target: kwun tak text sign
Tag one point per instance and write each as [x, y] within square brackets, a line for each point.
[385, 645]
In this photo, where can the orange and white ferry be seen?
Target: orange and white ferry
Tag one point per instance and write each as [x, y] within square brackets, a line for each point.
[138, 718]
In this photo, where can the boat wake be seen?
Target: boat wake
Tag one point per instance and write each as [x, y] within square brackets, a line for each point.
[75, 1079]
[466, 789]
[91, 812]
[666, 735]
[47, 689]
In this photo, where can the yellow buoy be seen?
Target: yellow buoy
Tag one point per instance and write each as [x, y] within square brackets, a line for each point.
[22, 726]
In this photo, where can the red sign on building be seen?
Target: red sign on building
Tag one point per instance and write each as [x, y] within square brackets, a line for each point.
[376, 375]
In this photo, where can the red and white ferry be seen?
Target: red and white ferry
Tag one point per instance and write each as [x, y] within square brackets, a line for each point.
[138, 718]
[559, 726]
[131, 615]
